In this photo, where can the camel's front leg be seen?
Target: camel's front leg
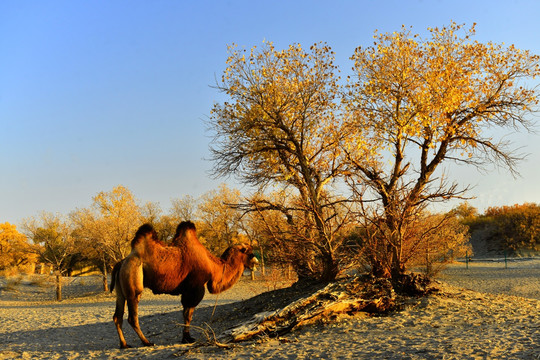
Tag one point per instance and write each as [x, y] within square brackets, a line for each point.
[188, 315]
[133, 319]
[190, 299]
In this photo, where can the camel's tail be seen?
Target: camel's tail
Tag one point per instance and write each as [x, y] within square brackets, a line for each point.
[114, 274]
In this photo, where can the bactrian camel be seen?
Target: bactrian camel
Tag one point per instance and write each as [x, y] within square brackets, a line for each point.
[184, 268]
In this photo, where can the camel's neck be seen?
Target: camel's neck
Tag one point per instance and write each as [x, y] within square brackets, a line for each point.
[222, 273]
[225, 274]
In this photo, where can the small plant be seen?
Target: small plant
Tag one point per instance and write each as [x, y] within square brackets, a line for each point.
[40, 281]
[276, 278]
[12, 283]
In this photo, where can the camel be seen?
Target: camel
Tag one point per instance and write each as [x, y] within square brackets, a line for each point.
[184, 268]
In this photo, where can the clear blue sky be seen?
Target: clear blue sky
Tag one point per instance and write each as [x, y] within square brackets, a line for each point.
[99, 93]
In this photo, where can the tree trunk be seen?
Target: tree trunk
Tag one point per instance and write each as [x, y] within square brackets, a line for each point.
[263, 270]
[58, 286]
[330, 269]
[289, 271]
[395, 244]
[379, 269]
[429, 268]
[397, 268]
[105, 283]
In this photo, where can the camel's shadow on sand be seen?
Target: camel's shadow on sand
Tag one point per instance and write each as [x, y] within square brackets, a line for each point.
[162, 328]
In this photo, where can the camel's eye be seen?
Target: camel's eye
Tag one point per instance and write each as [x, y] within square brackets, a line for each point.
[243, 249]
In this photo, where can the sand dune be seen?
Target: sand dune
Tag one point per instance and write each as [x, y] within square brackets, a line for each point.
[485, 312]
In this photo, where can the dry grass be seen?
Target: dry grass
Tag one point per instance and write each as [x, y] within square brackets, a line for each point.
[12, 283]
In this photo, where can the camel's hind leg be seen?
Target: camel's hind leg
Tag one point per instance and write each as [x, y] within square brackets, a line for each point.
[129, 287]
[133, 319]
[118, 319]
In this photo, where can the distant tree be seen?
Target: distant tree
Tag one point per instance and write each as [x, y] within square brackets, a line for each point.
[184, 209]
[415, 104]
[279, 128]
[151, 212]
[465, 213]
[88, 227]
[220, 223]
[14, 248]
[105, 230]
[56, 246]
[518, 226]
[164, 225]
[269, 229]
[252, 232]
[120, 216]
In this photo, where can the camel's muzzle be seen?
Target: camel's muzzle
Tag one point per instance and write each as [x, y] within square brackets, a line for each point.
[253, 262]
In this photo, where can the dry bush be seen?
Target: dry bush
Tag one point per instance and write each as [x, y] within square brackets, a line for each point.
[41, 281]
[12, 283]
[278, 277]
[435, 240]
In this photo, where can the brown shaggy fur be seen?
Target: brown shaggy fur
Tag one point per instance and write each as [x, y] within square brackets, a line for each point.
[182, 269]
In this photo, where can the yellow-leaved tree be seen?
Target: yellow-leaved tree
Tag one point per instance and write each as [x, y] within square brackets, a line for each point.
[419, 103]
[219, 223]
[52, 233]
[14, 248]
[280, 127]
[104, 231]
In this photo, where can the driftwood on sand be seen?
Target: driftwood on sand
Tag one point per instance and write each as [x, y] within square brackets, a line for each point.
[346, 297]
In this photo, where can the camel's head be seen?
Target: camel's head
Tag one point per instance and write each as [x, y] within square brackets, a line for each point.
[245, 252]
[251, 259]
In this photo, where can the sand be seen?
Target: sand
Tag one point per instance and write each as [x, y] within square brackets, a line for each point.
[484, 312]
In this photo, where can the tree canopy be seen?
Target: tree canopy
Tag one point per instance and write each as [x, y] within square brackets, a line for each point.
[411, 105]
[14, 248]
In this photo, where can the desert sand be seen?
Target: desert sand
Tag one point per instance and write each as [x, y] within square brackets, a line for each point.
[484, 312]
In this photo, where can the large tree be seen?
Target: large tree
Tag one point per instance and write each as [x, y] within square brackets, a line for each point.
[280, 127]
[415, 104]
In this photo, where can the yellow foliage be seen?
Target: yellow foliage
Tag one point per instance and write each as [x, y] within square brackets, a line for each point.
[421, 102]
[444, 89]
[106, 230]
[14, 248]
[282, 113]
[412, 104]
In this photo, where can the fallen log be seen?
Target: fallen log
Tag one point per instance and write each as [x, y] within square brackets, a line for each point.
[346, 297]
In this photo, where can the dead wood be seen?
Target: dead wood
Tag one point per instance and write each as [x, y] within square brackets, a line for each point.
[348, 296]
